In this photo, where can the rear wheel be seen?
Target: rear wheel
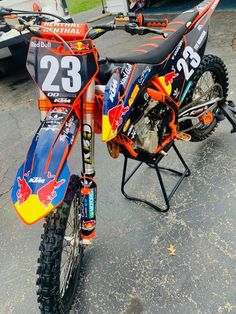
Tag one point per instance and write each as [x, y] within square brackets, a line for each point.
[61, 254]
[211, 76]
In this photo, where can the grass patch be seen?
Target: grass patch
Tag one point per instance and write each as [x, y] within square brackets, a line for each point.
[76, 6]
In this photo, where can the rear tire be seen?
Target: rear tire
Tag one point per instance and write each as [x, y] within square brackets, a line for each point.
[54, 295]
[217, 70]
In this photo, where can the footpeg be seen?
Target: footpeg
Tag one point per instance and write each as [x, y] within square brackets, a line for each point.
[183, 136]
[229, 111]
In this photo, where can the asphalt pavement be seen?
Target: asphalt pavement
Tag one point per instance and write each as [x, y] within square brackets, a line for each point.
[128, 268]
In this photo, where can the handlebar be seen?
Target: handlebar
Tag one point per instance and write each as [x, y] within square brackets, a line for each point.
[148, 20]
[131, 28]
[133, 24]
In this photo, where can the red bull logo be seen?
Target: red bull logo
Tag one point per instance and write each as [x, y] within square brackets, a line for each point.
[47, 192]
[89, 225]
[115, 116]
[60, 110]
[79, 45]
[24, 191]
[169, 77]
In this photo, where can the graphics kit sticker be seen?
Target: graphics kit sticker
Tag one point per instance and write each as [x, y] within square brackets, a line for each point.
[168, 79]
[115, 115]
[42, 180]
[61, 77]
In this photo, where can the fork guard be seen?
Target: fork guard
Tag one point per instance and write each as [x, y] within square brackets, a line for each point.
[42, 179]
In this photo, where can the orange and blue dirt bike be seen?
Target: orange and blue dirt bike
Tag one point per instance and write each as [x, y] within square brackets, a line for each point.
[164, 90]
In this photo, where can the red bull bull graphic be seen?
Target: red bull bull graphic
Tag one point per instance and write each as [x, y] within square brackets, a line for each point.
[169, 77]
[47, 193]
[115, 116]
[79, 45]
[24, 191]
[36, 196]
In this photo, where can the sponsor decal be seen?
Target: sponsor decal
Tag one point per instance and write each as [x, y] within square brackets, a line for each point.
[177, 49]
[169, 77]
[79, 45]
[89, 225]
[88, 205]
[24, 191]
[144, 75]
[115, 116]
[40, 44]
[66, 29]
[134, 94]
[125, 73]
[60, 109]
[176, 93]
[67, 129]
[200, 40]
[36, 180]
[62, 100]
[47, 192]
[131, 132]
[87, 143]
[113, 90]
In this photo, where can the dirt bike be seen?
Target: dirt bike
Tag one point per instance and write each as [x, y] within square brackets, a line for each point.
[164, 90]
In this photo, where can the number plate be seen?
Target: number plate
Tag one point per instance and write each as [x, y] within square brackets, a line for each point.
[61, 75]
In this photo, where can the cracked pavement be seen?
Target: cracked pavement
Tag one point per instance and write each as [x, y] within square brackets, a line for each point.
[128, 268]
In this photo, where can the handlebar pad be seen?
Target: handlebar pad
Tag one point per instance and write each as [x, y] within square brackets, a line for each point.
[145, 20]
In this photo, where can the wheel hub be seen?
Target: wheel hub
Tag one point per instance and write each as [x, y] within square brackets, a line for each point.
[207, 118]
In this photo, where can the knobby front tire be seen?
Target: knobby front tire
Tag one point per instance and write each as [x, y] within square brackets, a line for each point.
[61, 254]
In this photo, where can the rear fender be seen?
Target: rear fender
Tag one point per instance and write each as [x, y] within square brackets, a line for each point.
[42, 180]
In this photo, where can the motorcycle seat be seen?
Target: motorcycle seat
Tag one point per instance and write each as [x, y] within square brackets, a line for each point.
[158, 47]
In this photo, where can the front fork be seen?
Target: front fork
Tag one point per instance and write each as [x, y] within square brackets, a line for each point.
[88, 187]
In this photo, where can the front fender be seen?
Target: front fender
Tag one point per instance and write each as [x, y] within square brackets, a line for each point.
[42, 180]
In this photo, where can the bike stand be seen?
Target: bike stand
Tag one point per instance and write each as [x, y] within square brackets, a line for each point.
[229, 111]
[154, 163]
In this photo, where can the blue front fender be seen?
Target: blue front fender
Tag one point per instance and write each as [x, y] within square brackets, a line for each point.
[42, 180]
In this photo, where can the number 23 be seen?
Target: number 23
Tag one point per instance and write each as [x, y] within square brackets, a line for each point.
[188, 53]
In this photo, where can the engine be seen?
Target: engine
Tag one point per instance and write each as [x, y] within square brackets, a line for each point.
[150, 127]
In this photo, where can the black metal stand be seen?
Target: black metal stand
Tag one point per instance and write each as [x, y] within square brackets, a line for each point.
[154, 163]
[229, 111]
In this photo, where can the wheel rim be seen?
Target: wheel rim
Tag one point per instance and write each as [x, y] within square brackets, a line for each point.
[206, 81]
[71, 247]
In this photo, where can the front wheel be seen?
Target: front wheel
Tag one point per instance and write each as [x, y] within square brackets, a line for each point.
[61, 254]
[211, 76]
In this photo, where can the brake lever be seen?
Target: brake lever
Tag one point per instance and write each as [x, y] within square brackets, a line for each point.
[133, 29]
[157, 31]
